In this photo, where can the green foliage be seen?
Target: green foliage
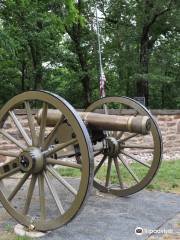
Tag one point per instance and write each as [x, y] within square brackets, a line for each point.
[53, 45]
[35, 30]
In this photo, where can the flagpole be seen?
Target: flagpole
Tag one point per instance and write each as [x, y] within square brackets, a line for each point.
[102, 75]
[99, 41]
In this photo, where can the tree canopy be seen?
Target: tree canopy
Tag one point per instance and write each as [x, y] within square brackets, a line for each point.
[52, 45]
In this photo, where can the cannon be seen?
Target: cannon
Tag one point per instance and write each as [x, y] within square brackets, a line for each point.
[115, 145]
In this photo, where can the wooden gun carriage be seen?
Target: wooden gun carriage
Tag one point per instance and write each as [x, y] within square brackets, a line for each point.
[115, 144]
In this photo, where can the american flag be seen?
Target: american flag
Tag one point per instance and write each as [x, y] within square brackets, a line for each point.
[102, 85]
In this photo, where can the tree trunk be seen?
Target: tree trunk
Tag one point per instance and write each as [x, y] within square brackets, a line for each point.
[38, 78]
[142, 82]
[87, 90]
[76, 34]
[85, 78]
[147, 43]
[37, 65]
[163, 95]
[23, 70]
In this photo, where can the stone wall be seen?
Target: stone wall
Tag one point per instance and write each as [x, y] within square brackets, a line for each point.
[168, 121]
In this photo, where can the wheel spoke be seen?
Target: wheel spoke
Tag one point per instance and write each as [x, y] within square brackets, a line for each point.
[105, 109]
[119, 135]
[62, 180]
[111, 133]
[18, 186]
[97, 153]
[12, 139]
[135, 159]
[63, 163]
[59, 147]
[3, 188]
[114, 134]
[29, 194]
[49, 138]
[42, 197]
[54, 194]
[138, 146]
[118, 172]
[129, 170]
[31, 123]
[43, 124]
[9, 173]
[10, 170]
[8, 153]
[108, 171]
[20, 128]
[70, 155]
[100, 164]
[127, 138]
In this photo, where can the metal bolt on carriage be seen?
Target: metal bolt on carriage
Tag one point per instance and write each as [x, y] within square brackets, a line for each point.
[114, 144]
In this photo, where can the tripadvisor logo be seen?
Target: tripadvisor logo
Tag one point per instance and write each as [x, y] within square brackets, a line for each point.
[139, 231]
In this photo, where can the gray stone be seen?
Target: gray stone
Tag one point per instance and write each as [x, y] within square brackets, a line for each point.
[106, 217]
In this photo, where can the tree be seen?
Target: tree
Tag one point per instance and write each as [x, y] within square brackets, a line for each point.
[37, 30]
[136, 27]
[82, 36]
[154, 21]
[53, 45]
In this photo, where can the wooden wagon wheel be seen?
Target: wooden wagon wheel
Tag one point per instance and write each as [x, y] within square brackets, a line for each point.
[31, 189]
[125, 162]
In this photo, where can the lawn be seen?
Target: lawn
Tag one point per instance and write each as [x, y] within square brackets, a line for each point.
[167, 179]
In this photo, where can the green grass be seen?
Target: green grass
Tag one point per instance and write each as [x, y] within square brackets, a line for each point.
[138, 169]
[9, 234]
[69, 172]
[12, 236]
[8, 227]
[23, 238]
[167, 179]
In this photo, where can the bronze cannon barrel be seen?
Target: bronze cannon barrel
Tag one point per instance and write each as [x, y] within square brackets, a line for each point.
[133, 124]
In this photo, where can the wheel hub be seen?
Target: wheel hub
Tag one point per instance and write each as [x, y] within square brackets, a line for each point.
[113, 147]
[32, 160]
